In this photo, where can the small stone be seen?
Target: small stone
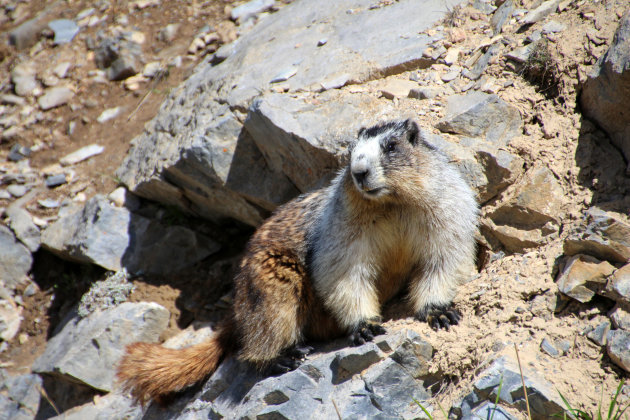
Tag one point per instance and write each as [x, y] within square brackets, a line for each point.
[18, 152]
[48, 203]
[251, 8]
[151, 69]
[22, 225]
[17, 190]
[620, 317]
[55, 180]
[452, 56]
[618, 286]
[322, 42]
[61, 69]
[599, 334]
[450, 76]
[64, 30]
[429, 92]
[81, 154]
[55, 97]
[284, 75]
[10, 99]
[10, 319]
[196, 45]
[168, 33]
[31, 289]
[548, 348]
[23, 78]
[109, 114]
[540, 12]
[397, 88]
[553, 26]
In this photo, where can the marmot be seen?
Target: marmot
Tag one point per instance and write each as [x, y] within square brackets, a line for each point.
[398, 216]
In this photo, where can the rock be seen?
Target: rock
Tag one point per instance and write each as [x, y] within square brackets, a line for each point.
[87, 349]
[152, 69]
[284, 75]
[452, 56]
[394, 390]
[55, 181]
[488, 410]
[605, 235]
[414, 355]
[10, 99]
[162, 164]
[108, 114]
[553, 26]
[521, 54]
[22, 225]
[251, 8]
[428, 92]
[618, 348]
[120, 57]
[106, 294]
[618, 286]
[530, 214]
[168, 33]
[541, 12]
[450, 76]
[349, 362]
[115, 238]
[54, 97]
[501, 15]
[17, 190]
[19, 396]
[603, 97]
[600, 333]
[18, 152]
[48, 203]
[620, 317]
[548, 348]
[27, 33]
[397, 88]
[583, 276]
[10, 319]
[110, 406]
[23, 79]
[15, 259]
[64, 30]
[543, 399]
[478, 114]
[479, 67]
[81, 154]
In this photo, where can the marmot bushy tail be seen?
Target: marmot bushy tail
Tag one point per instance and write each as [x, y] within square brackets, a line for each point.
[149, 370]
[399, 217]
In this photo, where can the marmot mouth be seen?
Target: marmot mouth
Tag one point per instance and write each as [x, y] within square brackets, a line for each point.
[374, 191]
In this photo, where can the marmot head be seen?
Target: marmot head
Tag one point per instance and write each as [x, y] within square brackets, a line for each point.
[384, 156]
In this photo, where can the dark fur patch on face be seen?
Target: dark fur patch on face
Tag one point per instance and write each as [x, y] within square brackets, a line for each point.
[405, 128]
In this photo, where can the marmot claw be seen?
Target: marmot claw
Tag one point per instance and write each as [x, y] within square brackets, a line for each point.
[365, 331]
[440, 317]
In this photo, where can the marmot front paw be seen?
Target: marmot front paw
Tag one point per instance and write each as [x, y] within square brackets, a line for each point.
[290, 360]
[439, 317]
[365, 331]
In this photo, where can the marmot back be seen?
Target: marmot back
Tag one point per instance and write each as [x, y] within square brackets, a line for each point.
[398, 217]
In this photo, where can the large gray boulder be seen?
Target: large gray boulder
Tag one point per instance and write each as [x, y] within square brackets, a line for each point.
[379, 379]
[196, 155]
[115, 238]
[86, 350]
[605, 97]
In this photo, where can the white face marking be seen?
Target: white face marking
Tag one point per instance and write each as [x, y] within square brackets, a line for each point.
[366, 168]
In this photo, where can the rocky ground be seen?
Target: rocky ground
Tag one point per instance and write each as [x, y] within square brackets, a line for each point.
[233, 109]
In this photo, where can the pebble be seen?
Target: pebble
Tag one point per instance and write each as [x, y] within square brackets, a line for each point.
[64, 29]
[85, 13]
[55, 97]
[553, 26]
[17, 190]
[61, 69]
[250, 9]
[452, 56]
[5, 195]
[168, 33]
[55, 180]
[10, 99]
[48, 203]
[23, 78]
[548, 348]
[81, 154]
[451, 75]
[18, 152]
[30, 290]
[284, 75]
[151, 69]
[109, 114]
[322, 42]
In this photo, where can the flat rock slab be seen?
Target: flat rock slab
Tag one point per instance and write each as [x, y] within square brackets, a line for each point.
[605, 97]
[618, 348]
[87, 349]
[182, 159]
[115, 238]
[478, 114]
[356, 382]
[584, 276]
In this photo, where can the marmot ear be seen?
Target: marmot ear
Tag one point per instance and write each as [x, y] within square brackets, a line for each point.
[361, 131]
[411, 131]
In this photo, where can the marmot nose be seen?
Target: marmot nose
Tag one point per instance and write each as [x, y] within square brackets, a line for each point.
[360, 176]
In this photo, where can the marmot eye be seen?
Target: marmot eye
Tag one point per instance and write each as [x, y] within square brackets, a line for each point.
[391, 146]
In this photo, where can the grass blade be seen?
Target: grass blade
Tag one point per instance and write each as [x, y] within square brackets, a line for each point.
[423, 409]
